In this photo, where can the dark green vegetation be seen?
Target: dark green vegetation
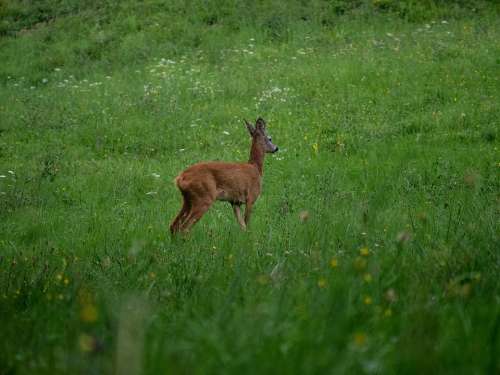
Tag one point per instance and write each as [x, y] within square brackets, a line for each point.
[374, 247]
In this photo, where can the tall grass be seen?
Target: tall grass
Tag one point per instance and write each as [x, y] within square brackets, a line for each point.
[372, 249]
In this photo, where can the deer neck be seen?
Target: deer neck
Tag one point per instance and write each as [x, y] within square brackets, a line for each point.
[257, 155]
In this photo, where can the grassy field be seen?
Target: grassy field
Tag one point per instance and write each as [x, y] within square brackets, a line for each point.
[374, 247]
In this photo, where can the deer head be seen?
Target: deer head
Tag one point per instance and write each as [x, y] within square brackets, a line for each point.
[260, 137]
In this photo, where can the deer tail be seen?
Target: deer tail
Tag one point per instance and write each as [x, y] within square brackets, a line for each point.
[180, 181]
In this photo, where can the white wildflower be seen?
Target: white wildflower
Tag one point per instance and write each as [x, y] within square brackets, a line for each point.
[156, 175]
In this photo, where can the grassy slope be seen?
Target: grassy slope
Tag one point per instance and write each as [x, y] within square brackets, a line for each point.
[389, 132]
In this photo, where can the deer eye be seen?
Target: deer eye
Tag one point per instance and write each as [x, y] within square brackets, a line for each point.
[270, 139]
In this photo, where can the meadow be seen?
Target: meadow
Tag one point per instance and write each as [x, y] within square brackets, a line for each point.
[374, 247]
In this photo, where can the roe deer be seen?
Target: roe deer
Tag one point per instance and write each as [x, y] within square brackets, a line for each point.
[237, 183]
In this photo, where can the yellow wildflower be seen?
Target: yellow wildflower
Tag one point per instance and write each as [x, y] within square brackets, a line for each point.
[359, 339]
[89, 314]
[364, 251]
[334, 263]
[322, 282]
[86, 343]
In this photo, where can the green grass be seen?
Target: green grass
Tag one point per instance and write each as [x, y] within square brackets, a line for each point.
[388, 126]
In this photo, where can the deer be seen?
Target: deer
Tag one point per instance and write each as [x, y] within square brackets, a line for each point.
[237, 183]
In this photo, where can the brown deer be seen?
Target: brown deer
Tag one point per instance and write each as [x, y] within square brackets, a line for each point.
[237, 183]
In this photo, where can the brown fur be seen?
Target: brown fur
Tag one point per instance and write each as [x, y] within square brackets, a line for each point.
[237, 183]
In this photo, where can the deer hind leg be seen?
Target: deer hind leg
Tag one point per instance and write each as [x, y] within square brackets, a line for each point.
[198, 209]
[237, 213]
[181, 216]
[201, 196]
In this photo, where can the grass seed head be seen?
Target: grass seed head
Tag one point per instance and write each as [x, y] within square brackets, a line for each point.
[403, 237]
[304, 216]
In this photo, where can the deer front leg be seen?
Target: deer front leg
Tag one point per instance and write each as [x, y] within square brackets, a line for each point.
[237, 213]
[248, 211]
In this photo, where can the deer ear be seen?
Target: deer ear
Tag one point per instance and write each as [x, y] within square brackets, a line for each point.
[260, 124]
[250, 127]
